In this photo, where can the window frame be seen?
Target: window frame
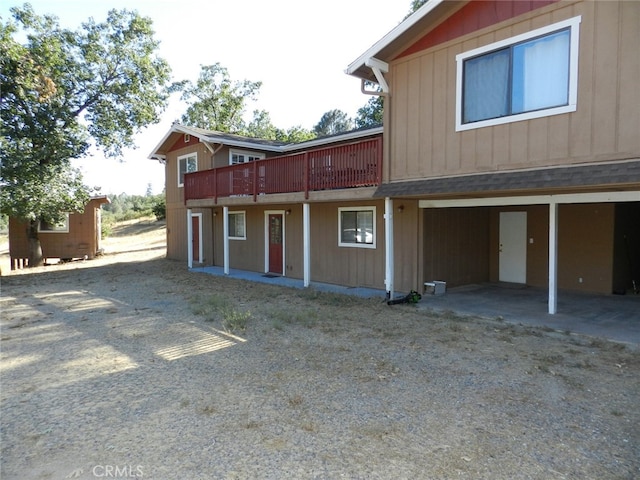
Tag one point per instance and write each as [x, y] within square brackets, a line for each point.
[571, 24]
[244, 224]
[186, 157]
[55, 229]
[246, 153]
[374, 227]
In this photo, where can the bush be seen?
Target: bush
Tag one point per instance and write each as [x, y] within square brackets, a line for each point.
[160, 209]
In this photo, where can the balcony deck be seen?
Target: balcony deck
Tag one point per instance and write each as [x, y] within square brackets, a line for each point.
[353, 165]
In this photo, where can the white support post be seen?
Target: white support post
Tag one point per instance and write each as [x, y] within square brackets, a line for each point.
[553, 258]
[225, 246]
[306, 240]
[189, 239]
[388, 245]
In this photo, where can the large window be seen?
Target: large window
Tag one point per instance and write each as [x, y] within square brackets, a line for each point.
[186, 164]
[357, 227]
[237, 226]
[60, 227]
[239, 156]
[528, 76]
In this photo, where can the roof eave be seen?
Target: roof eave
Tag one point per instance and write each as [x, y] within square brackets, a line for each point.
[358, 67]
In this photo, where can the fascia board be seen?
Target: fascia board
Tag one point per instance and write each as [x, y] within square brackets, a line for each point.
[390, 37]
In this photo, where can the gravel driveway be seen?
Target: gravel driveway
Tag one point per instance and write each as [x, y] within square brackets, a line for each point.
[128, 366]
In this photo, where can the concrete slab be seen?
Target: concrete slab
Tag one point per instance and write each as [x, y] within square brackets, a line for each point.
[613, 317]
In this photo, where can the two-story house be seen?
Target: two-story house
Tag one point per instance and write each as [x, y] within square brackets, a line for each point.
[510, 153]
[302, 210]
[512, 143]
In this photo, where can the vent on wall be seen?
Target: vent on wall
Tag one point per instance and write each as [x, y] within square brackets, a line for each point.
[187, 137]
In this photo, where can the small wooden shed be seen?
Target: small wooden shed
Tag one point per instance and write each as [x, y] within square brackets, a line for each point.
[79, 236]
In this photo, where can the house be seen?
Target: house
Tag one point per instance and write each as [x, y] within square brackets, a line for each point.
[301, 210]
[512, 140]
[510, 153]
[78, 236]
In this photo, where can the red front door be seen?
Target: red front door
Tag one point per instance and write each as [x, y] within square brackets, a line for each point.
[275, 243]
[195, 238]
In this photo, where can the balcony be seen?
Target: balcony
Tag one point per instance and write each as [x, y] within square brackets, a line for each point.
[344, 166]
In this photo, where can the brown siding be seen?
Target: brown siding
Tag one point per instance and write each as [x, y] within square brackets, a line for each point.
[585, 247]
[456, 245]
[82, 238]
[604, 127]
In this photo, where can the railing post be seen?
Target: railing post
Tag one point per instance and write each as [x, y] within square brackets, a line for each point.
[379, 160]
[215, 185]
[306, 175]
[255, 179]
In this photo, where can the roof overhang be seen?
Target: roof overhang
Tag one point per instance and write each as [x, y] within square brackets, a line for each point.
[401, 37]
[218, 138]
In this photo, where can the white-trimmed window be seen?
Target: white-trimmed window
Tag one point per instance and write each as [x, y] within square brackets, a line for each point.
[186, 164]
[527, 76]
[60, 227]
[357, 227]
[240, 156]
[237, 226]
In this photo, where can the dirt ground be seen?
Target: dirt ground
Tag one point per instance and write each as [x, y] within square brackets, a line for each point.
[130, 366]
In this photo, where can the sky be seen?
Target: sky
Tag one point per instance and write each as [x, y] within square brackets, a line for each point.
[298, 49]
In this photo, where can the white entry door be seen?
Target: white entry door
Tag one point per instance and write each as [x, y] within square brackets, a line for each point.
[513, 247]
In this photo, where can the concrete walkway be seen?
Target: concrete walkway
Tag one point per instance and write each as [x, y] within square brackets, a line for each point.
[614, 317]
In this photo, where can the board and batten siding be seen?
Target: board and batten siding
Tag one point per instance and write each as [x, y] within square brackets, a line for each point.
[423, 140]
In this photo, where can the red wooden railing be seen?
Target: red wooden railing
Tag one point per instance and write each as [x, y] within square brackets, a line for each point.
[345, 166]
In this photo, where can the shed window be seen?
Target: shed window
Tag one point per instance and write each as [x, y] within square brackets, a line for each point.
[59, 227]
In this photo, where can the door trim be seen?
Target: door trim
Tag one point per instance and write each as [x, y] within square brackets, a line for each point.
[266, 240]
[190, 235]
[512, 268]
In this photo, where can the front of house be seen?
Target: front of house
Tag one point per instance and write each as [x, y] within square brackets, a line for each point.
[510, 153]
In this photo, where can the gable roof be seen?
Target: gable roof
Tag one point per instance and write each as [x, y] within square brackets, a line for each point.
[394, 42]
[210, 137]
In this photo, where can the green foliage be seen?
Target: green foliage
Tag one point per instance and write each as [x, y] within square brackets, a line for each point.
[332, 122]
[159, 209]
[261, 127]
[62, 88]
[216, 102]
[370, 115]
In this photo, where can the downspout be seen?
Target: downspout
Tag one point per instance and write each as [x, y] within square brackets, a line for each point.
[189, 239]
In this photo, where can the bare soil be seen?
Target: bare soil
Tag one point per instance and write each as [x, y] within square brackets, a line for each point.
[130, 366]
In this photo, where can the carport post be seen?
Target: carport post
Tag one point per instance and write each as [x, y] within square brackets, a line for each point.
[388, 242]
[225, 246]
[306, 240]
[553, 258]
[189, 239]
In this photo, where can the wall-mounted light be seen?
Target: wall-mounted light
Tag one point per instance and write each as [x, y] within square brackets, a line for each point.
[400, 208]
[288, 212]
[215, 213]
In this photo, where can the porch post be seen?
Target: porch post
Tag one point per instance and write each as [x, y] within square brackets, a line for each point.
[225, 243]
[306, 240]
[189, 239]
[553, 257]
[388, 245]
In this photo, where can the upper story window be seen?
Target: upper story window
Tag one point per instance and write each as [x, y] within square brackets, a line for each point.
[186, 164]
[528, 76]
[239, 156]
[357, 227]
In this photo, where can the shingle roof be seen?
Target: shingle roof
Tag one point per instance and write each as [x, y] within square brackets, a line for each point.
[624, 173]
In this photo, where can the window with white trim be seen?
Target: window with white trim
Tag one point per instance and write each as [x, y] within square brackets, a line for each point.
[357, 227]
[59, 227]
[237, 226]
[240, 156]
[527, 76]
[186, 164]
